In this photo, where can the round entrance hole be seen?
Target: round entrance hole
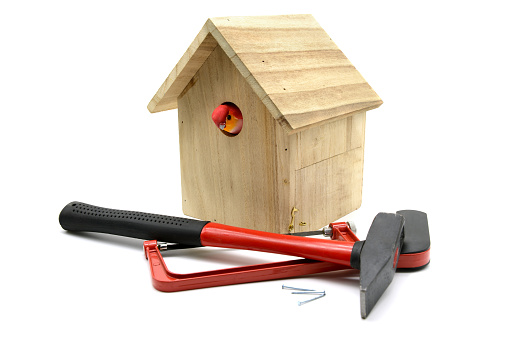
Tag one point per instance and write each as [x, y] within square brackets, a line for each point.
[228, 118]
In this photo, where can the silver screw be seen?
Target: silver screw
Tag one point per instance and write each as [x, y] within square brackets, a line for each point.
[284, 287]
[300, 303]
[309, 292]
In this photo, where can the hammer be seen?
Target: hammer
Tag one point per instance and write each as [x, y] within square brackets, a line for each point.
[376, 257]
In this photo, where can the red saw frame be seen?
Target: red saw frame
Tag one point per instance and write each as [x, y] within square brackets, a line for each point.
[166, 281]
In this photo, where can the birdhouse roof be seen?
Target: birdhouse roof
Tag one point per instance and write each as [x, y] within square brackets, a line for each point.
[291, 63]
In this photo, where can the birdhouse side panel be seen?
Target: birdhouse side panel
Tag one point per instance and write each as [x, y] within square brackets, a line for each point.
[329, 190]
[329, 171]
[227, 179]
[328, 140]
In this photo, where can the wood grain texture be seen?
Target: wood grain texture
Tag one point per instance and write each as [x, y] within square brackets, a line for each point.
[182, 73]
[328, 140]
[290, 62]
[304, 106]
[254, 179]
[233, 180]
[329, 189]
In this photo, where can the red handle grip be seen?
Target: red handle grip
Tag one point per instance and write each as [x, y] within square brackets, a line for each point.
[219, 235]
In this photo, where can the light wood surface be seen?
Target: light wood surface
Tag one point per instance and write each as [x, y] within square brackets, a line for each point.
[182, 73]
[304, 107]
[290, 62]
[329, 189]
[256, 178]
[230, 180]
[328, 140]
[328, 171]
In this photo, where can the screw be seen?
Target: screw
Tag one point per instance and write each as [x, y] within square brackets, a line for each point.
[309, 292]
[305, 291]
[284, 287]
[300, 303]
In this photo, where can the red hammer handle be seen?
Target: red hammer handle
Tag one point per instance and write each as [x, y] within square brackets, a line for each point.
[77, 216]
[219, 235]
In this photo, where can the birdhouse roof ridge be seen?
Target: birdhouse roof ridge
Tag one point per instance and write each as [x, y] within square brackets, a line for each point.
[290, 62]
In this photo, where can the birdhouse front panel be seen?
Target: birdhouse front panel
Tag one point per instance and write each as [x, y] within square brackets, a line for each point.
[230, 179]
[272, 124]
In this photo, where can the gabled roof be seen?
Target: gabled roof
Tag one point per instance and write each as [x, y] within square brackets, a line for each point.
[291, 63]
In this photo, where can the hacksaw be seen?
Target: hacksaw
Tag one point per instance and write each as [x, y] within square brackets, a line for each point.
[394, 240]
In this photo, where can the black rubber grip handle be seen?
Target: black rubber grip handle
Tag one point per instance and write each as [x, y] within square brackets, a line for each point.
[80, 217]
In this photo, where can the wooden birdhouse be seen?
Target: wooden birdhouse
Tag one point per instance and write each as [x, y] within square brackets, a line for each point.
[298, 159]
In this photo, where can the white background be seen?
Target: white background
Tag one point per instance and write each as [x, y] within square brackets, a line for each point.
[75, 79]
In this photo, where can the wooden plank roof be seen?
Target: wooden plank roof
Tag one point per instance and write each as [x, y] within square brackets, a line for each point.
[291, 63]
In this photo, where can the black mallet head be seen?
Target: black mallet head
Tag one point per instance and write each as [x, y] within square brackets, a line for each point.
[377, 258]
